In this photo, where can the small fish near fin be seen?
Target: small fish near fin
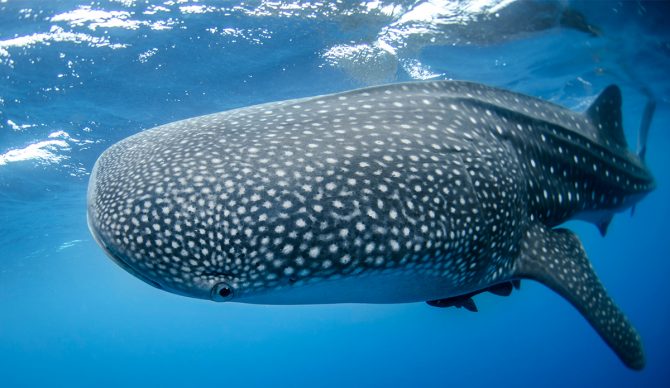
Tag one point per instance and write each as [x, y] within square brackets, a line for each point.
[456, 301]
[605, 113]
[466, 301]
[556, 259]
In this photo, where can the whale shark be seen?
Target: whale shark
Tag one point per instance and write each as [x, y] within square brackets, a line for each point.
[422, 191]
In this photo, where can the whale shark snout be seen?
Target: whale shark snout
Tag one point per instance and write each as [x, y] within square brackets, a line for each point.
[94, 226]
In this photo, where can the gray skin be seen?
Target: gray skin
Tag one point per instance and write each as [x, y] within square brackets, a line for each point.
[399, 193]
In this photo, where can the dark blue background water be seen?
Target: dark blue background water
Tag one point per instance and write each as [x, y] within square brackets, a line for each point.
[75, 78]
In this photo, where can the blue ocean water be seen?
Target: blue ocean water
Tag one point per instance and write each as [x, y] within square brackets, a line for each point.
[77, 77]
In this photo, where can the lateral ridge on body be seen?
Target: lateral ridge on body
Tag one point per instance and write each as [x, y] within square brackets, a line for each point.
[426, 191]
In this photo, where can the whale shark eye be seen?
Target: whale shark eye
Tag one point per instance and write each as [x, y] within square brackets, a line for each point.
[222, 292]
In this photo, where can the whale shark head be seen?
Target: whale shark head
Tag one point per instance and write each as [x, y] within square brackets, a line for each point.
[189, 223]
[118, 217]
[179, 207]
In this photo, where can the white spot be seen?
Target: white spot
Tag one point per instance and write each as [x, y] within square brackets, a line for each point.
[314, 252]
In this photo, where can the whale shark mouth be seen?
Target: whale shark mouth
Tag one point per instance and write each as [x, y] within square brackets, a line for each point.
[117, 257]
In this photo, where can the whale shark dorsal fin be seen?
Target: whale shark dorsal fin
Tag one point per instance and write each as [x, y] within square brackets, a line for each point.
[605, 114]
[556, 259]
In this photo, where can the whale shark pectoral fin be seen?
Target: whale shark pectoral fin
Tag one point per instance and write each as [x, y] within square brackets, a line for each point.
[556, 259]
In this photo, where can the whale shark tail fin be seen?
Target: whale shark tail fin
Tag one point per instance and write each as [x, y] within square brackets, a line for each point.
[555, 257]
[643, 133]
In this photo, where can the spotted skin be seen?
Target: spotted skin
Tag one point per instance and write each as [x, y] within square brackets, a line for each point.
[557, 259]
[397, 193]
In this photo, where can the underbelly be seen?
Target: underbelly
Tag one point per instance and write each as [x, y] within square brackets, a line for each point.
[373, 288]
